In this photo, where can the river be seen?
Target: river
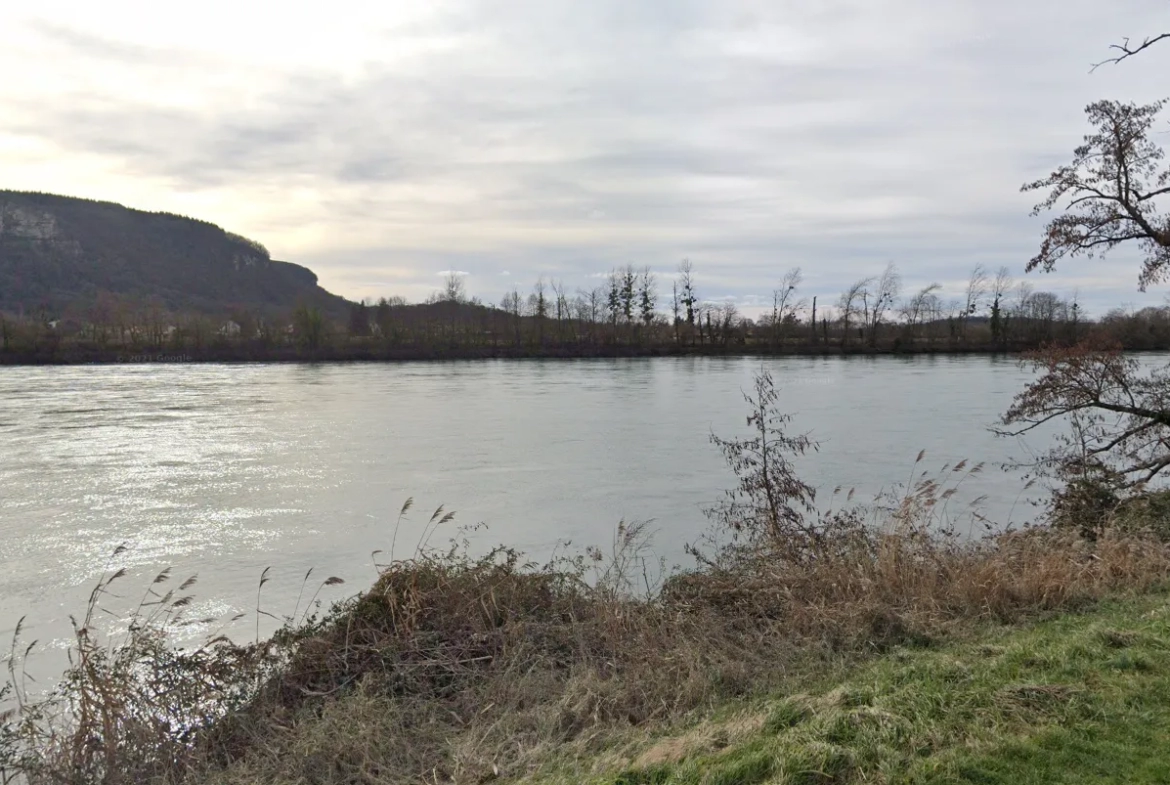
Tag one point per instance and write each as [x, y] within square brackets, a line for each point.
[225, 470]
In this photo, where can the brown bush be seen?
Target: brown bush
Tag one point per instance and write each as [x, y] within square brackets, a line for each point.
[456, 669]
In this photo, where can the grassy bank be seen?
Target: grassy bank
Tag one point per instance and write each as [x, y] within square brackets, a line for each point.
[1082, 698]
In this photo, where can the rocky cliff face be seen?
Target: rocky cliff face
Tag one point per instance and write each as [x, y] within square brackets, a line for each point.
[59, 252]
[22, 223]
[31, 224]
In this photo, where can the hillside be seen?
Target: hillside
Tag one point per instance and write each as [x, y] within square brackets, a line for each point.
[57, 253]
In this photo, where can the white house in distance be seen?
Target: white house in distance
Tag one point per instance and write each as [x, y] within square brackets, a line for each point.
[230, 329]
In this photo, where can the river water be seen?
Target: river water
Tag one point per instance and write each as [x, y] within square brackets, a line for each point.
[224, 470]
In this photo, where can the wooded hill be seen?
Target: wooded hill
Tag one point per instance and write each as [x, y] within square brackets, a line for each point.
[61, 254]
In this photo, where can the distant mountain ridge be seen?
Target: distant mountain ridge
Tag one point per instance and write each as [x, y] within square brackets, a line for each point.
[59, 252]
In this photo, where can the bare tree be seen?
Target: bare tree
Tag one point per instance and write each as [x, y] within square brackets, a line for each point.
[675, 309]
[688, 297]
[918, 308]
[728, 319]
[850, 304]
[647, 296]
[155, 316]
[954, 309]
[579, 308]
[513, 304]
[562, 302]
[1024, 291]
[1001, 284]
[885, 295]
[454, 289]
[588, 304]
[974, 294]
[999, 289]
[703, 317]
[1112, 184]
[596, 298]
[785, 306]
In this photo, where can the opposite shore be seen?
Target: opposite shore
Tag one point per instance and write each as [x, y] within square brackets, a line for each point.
[235, 353]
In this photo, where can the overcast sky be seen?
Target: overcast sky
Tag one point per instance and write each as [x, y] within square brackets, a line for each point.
[383, 143]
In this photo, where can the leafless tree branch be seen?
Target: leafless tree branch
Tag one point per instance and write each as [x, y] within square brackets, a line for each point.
[1119, 416]
[1127, 51]
[1110, 188]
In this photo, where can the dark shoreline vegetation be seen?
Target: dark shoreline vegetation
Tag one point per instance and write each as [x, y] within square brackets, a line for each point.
[623, 317]
[462, 331]
[749, 666]
[358, 354]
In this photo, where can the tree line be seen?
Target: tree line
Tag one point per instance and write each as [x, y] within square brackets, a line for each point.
[631, 311]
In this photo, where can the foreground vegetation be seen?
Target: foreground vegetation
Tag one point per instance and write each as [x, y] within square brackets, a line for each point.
[1082, 698]
[452, 669]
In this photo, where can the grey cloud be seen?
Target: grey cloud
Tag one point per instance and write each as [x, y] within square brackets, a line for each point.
[99, 47]
[748, 135]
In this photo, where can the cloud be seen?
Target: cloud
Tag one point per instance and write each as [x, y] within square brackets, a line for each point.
[559, 139]
[82, 45]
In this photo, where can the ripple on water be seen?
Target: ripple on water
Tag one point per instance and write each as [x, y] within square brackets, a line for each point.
[226, 469]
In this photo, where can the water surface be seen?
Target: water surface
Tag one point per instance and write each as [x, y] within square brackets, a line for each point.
[223, 470]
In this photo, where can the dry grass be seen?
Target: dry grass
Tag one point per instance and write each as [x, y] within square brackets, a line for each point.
[128, 706]
[460, 669]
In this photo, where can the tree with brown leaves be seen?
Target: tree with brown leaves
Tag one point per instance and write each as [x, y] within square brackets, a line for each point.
[1118, 415]
[770, 500]
[1111, 184]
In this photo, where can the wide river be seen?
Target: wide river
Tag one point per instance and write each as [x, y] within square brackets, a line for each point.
[224, 470]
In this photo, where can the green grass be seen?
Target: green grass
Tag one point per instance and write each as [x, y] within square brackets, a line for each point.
[1082, 698]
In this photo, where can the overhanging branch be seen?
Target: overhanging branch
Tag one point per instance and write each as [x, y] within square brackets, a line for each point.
[1128, 51]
